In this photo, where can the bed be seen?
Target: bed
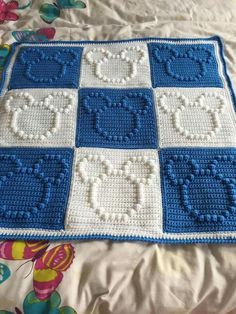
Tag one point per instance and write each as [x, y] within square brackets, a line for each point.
[105, 277]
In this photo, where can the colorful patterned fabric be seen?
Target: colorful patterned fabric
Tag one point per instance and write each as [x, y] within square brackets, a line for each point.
[127, 140]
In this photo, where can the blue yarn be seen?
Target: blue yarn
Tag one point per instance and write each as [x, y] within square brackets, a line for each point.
[83, 42]
[119, 238]
[34, 187]
[183, 65]
[198, 189]
[39, 67]
[116, 118]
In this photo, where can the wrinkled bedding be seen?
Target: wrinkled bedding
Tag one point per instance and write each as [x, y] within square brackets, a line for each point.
[125, 278]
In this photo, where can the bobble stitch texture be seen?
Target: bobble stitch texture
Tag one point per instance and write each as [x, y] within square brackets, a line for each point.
[29, 103]
[203, 186]
[115, 187]
[43, 57]
[120, 118]
[29, 185]
[104, 60]
[184, 103]
[107, 171]
[46, 66]
[184, 65]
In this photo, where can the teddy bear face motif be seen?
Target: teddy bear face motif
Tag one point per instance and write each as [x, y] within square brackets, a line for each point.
[188, 66]
[182, 113]
[35, 59]
[117, 68]
[101, 106]
[47, 113]
[104, 180]
[22, 203]
[209, 182]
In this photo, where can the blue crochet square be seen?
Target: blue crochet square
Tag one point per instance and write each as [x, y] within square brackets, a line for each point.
[198, 189]
[34, 187]
[184, 65]
[37, 67]
[116, 118]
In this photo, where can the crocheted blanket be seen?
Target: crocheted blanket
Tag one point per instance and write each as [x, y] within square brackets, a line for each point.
[125, 140]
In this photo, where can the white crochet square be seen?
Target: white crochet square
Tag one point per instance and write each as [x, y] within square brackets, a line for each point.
[115, 65]
[38, 117]
[115, 192]
[195, 117]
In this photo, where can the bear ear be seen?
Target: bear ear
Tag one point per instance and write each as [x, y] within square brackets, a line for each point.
[163, 53]
[93, 168]
[60, 102]
[224, 168]
[18, 101]
[51, 169]
[140, 169]
[66, 56]
[96, 102]
[200, 54]
[31, 56]
[212, 102]
[97, 55]
[181, 169]
[9, 164]
[170, 102]
[137, 102]
[133, 54]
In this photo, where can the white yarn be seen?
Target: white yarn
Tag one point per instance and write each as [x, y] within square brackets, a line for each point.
[38, 117]
[195, 117]
[120, 65]
[115, 190]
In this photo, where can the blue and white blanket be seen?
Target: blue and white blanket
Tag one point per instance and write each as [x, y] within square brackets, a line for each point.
[125, 140]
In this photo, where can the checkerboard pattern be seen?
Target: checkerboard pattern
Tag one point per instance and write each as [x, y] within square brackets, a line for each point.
[125, 140]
